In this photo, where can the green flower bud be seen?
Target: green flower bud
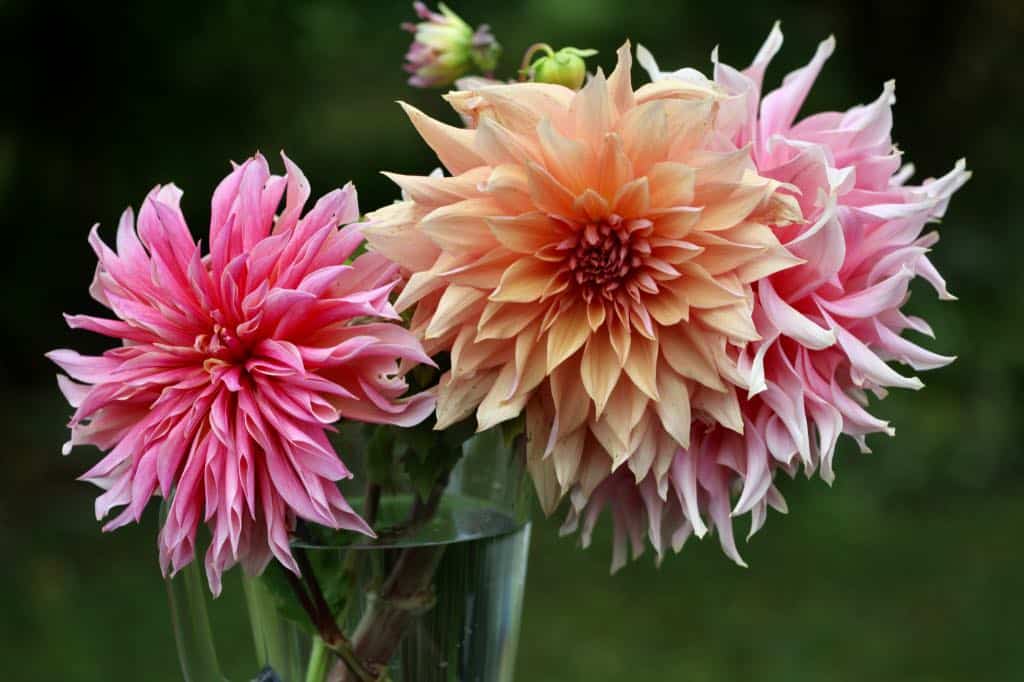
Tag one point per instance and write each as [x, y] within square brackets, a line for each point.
[565, 67]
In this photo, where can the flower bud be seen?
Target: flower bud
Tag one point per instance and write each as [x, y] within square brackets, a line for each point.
[565, 67]
[446, 48]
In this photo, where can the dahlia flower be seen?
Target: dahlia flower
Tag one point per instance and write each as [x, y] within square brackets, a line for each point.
[234, 364]
[445, 48]
[589, 261]
[827, 327]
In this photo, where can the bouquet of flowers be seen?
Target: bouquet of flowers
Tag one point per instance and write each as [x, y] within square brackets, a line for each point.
[664, 296]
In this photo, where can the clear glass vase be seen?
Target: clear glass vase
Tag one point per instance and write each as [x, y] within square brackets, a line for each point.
[438, 599]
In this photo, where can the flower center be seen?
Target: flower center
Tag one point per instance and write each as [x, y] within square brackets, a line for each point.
[222, 346]
[602, 257]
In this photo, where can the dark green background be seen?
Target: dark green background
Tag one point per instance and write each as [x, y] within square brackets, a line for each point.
[908, 569]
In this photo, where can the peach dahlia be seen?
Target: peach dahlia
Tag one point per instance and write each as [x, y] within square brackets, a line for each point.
[589, 260]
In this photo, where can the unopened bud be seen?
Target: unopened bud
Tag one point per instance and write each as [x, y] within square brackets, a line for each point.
[564, 67]
[446, 48]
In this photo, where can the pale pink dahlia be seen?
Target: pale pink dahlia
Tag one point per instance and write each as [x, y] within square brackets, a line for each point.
[588, 261]
[828, 326]
[234, 364]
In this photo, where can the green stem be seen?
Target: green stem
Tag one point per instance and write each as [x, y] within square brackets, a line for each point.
[307, 591]
[406, 592]
[318, 661]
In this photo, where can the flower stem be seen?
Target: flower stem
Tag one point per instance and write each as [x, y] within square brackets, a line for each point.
[310, 596]
[372, 504]
[406, 592]
[318, 661]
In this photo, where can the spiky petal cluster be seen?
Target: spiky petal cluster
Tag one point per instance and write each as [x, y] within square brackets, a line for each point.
[828, 326]
[589, 260]
[446, 48]
[234, 364]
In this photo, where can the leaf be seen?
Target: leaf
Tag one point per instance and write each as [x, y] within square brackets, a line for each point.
[428, 455]
[511, 430]
[380, 456]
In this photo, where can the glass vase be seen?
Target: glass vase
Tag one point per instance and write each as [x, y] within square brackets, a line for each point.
[435, 599]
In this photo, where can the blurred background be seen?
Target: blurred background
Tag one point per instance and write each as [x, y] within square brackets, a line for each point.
[907, 569]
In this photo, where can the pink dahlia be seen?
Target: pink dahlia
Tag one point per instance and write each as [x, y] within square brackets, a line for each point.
[234, 364]
[828, 327]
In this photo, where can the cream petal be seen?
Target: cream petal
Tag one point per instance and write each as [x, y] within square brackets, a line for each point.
[519, 106]
[673, 408]
[734, 321]
[644, 447]
[505, 320]
[590, 205]
[420, 284]
[721, 213]
[566, 159]
[566, 455]
[453, 146]
[469, 355]
[570, 397]
[591, 110]
[633, 200]
[529, 361]
[687, 352]
[461, 227]
[547, 193]
[675, 223]
[641, 365]
[620, 84]
[498, 145]
[525, 281]
[672, 184]
[645, 135]
[614, 168]
[457, 398]
[456, 306]
[436, 191]
[567, 334]
[722, 406]
[509, 185]
[527, 233]
[667, 308]
[599, 370]
[596, 314]
[497, 407]
[542, 470]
